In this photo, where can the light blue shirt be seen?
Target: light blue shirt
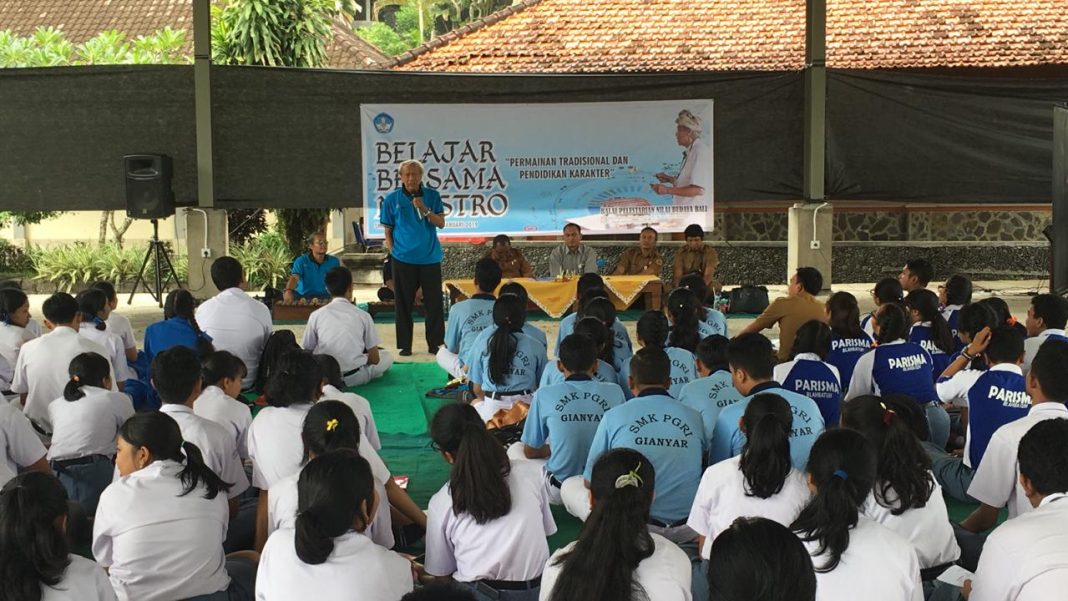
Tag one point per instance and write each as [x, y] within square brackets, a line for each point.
[415, 239]
[467, 319]
[568, 414]
[728, 439]
[524, 373]
[715, 320]
[683, 371]
[623, 349]
[605, 373]
[708, 396]
[482, 340]
[311, 276]
[670, 435]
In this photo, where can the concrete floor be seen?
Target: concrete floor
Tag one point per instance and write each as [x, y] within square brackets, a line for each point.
[144, 311]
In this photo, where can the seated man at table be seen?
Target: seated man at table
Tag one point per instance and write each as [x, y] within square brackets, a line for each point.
[306, 278]
[572, 257]
[469, 317]
[513, 263]
[696, 257]
[645, 259]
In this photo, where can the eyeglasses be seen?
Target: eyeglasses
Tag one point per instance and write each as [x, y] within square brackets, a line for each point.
[319, 243]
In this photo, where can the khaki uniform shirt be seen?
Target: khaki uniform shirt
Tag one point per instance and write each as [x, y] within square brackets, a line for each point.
[791, 312]
[513, 263]
[695, 261]
[635, 262]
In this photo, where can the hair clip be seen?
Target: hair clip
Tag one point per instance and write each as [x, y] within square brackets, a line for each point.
[840, 474]
[76, 378]
[888, 414]
[630, 478]
[331, 425]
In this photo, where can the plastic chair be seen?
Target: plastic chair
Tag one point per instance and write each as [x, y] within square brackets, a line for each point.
[361, 241]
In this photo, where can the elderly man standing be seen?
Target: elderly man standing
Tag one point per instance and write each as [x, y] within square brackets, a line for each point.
[696, 257]
[693, 185]
[572, 256]
[513, 263]
[643, 260]
[411, 216]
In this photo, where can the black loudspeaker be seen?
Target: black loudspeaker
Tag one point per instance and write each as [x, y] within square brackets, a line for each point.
[148, 186]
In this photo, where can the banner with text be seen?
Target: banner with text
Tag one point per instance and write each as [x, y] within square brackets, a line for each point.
[525, 169]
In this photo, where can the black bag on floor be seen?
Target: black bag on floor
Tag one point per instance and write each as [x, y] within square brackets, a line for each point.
[748, 299]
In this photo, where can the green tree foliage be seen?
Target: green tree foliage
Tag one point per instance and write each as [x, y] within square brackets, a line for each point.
[388, 41]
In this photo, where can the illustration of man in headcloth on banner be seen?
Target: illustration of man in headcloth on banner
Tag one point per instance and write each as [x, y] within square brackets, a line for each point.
[692, 187]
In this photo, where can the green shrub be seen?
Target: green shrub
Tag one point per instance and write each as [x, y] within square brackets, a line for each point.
[13, 259]
[81, 263]
[266, 259]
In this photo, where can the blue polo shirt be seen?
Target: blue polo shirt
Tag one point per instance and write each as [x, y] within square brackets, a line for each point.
[845, 351]
[524, 373]
[176, 331]
[708, 396]
[623, 347]
[467, 319]
[670, 435]
[483, 337]
[728, 438]
[903, 368]
[568, 414]
[807, 375]
[683, 370]
[605, 373]
[998, 397]
[923, 335]
[415, 239]
[715, 320]
[311, 275]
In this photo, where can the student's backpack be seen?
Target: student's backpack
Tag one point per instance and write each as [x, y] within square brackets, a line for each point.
[748, 299]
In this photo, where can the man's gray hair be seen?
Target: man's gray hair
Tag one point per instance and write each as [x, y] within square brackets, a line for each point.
[411, 163]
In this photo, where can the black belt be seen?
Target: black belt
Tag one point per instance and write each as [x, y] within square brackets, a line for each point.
[496, 395]
[659, 524]
[80, 461]
[932, 573]
[351, 371]
[512, 585]
[554, 481]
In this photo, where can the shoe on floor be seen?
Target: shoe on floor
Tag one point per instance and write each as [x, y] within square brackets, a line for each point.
[432, 350]
[405, 352]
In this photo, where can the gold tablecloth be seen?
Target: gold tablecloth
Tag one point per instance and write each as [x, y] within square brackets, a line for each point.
[556, 297]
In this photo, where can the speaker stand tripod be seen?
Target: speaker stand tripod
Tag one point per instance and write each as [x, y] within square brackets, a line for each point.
[157, 253]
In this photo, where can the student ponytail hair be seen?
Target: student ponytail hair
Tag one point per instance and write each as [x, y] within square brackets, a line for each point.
[478, 481]
[33, 551]
[844, 315]
[615, 538]
[334, 491]
[587, 295]
[603, 338]
[180, 303]
[925, 303]
[904, 468]
[296, 380]
[329, 426]
[888, 290]
[842, 466]
[11, 300]
[813, 336]
[758, 559]
[509, 315]
[278, 345]
[91, 302]
[765, 460]
[86, 369]
[159, 434]
[331, 370]
[893, 323]
[683, 306]
[653, 329]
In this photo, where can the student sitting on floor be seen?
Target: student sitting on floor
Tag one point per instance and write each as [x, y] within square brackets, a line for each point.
[713, 390]
[656, 425]
[653, 330]
[468, 318]
[759, 482]
[235, 321]
[117, 322]
[220, 400]
[179, 327]
[334, 389]
[854, 556]
[593, 302]
[159, 528]
[92, 305]
[14, 315]
[809, 374]
[887, 290]
[687, 329]
[592, 328]
[848, 340]
[563, 417]
[752, 363]
[1027, 557]
[487, 525]
[20, 447]
[279, 344]
[1003, 314]
[929, 328]
[588, 287]
[952, 297]
[33, 327]
[1046, 319]
[328, 555]
[509, 369]
[757, 559]
[347, 333]
[711, 317]
[529, 329]
[906, 497]
[85, 421]
[971, 320]
[35, 558]
[615, 556]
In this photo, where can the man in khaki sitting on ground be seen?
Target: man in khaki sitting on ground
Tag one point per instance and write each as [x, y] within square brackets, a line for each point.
[792, 311]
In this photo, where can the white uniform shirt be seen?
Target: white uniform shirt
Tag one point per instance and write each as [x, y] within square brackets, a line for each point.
[84, 580]
[512, 547]
[356, 569]
[1032, 344]
[89, 425]
[361, 407]
[879, 565]
[216, 444]
[721, 498]
[18, 441]
[119, 325]
[928, 528]
[113, 345]
[41, 371]
[343, 331]
[239, 324]
[997, 481]
[696, 171]
[955, 389]
[665, 575]
[228, 412]
[1026, 559]
[160, 546]
[11, 340]
[34, 328]
[275, 445]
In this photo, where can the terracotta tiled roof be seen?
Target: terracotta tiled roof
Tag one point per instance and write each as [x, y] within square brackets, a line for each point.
[715, 35]
[80, 20]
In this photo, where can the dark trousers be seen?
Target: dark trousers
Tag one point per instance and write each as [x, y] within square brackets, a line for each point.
[407, 278]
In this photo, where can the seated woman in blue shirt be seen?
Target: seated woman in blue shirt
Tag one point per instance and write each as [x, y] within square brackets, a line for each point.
[509, 368]
[179, 327]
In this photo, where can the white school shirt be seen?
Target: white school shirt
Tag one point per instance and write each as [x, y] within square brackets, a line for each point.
[216, 444]
[512, 547]
[721, 498]
[119, 325]
[89, 425]
[665, 575]
[357, 568]
[18, 442]
[878, 565]
[83, 580]
[11, 340]
[158, 544]
[274, 443]
[955, 389]
[34, 328]
[361, 407]
[997, 481]
[1026, 559]
[230, 413]
[927, 528]
[113, 344]
[239, 324]
[41, 371]
[1032, 344]
[343, 331]
[7, 374]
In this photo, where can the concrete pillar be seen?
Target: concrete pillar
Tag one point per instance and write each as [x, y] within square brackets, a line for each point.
[205, 229]
[335, 230]
[809, 243]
